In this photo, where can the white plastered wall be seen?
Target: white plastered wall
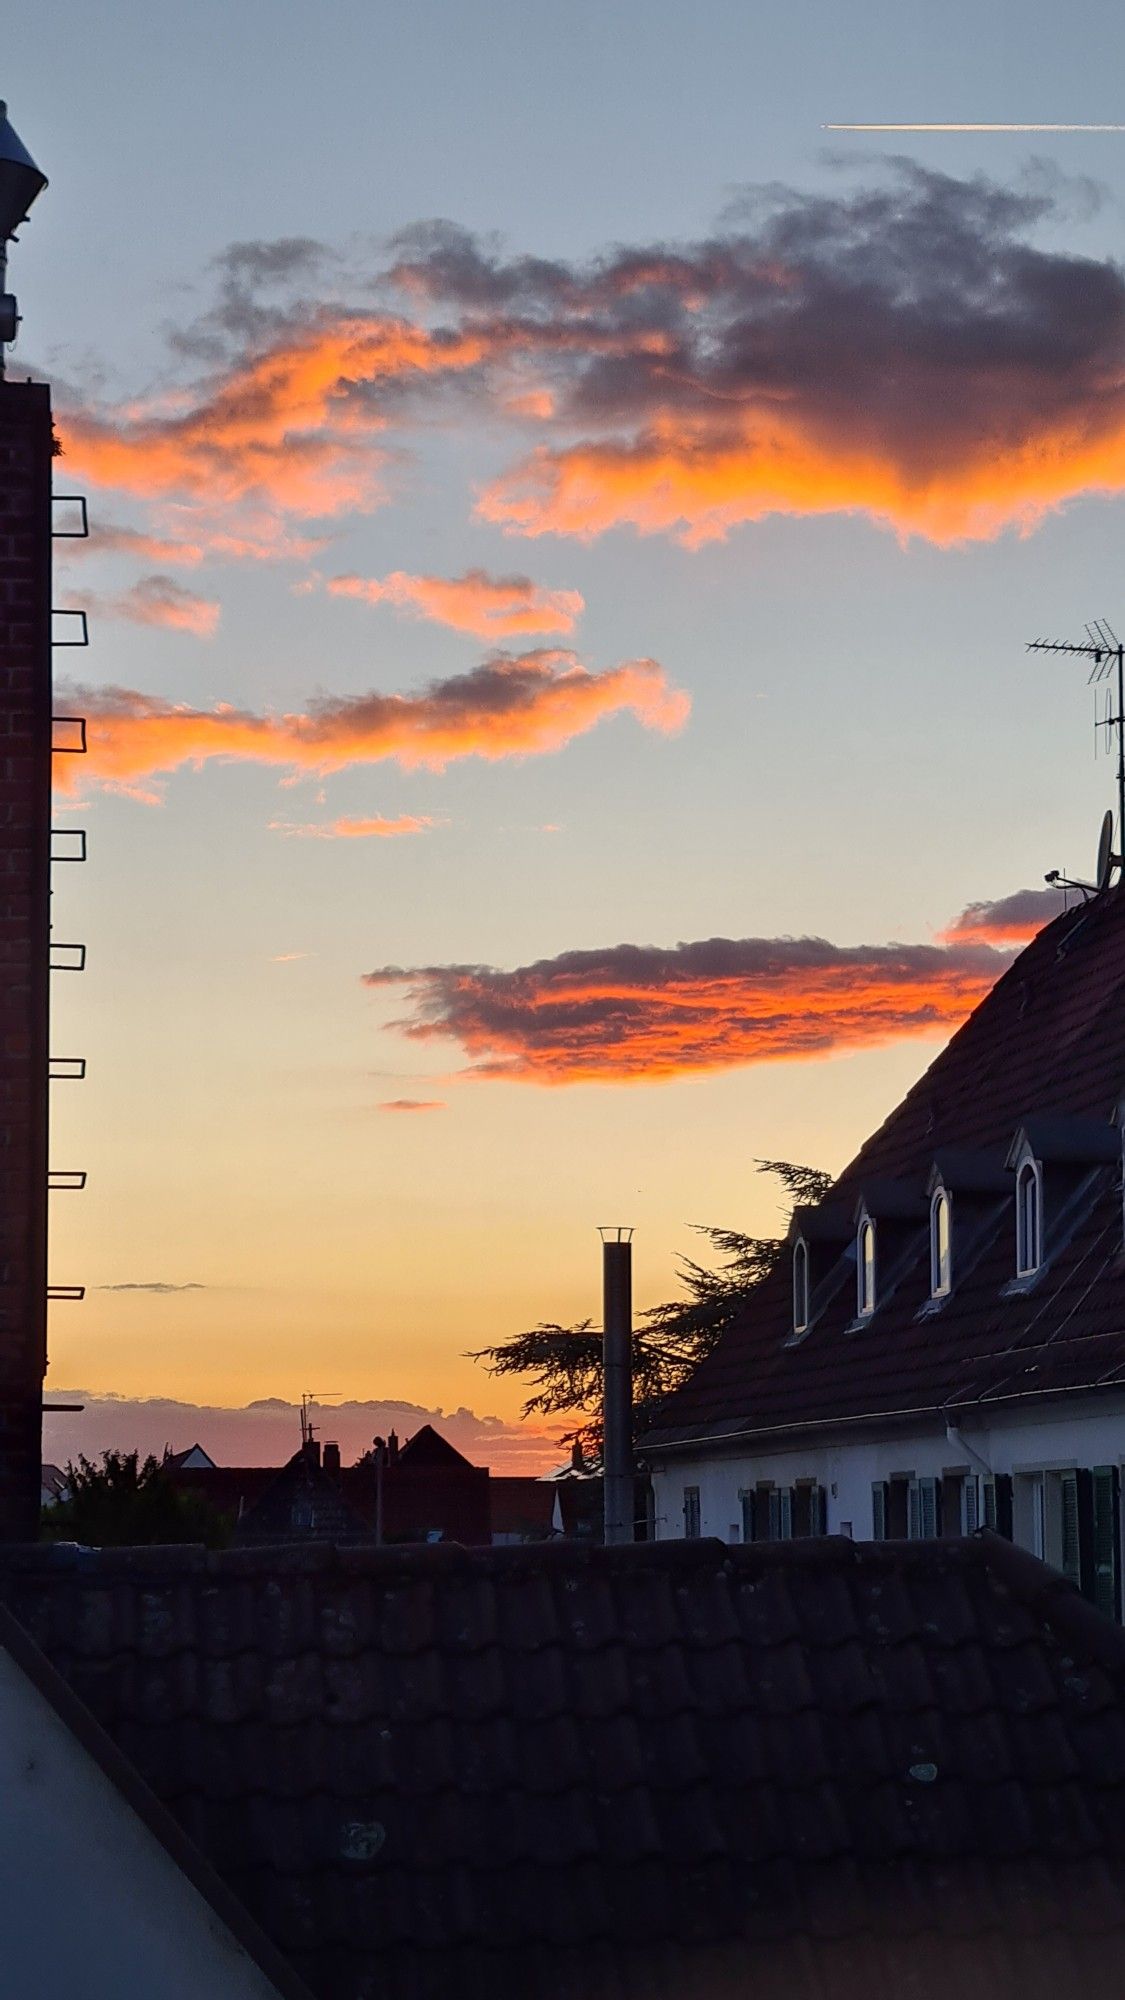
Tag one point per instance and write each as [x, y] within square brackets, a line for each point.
[93, 1904]
[1022, 1441]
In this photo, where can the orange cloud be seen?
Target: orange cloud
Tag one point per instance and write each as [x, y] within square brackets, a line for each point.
[696, 481]
[902, 351]
[155, 600]
[1008, 920]
[512, 705]
[111, 538]
[907, 351]
[289, 427]
[632, 1014]
[490, 607]
[357, 829]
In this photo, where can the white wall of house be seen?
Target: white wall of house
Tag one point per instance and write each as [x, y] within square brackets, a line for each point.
[93, 1904]
[1023, 1443]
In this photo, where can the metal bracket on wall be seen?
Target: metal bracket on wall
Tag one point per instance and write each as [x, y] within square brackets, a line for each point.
[66, 1069]
[68, 958]
[76, 746]
[66, 1177]
[64, 611]
[65, 533]
[68, 843]
[66, 1291]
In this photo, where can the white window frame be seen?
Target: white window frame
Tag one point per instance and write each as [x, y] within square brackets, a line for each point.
[865, 1269]
[800, 1286]
[1029, 1223]
[941, 1266]
[693, 1514]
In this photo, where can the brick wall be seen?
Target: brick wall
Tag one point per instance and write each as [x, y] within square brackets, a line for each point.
[25, 837]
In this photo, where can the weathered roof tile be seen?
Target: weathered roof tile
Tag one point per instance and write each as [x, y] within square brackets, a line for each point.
[619, 1773]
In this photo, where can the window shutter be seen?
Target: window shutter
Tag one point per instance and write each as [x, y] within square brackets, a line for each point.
[879, 1511]
[1084, 1492]
[990, 1504]
[1003, 1484]
[971, 1505]
[1107, 1584]
[1070, 1555]
[927, 1510]
[914, 1514]
[775, 1515]
[748, 1524]
[786, 1499]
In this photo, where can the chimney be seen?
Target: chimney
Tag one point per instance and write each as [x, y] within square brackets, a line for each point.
[392, 1448]
[312, 1449]
[617, 1383]
[331, 1458]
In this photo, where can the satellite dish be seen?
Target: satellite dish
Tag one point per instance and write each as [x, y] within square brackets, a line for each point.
[1106, 855]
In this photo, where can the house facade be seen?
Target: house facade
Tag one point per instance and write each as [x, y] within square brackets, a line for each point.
[943, 1344]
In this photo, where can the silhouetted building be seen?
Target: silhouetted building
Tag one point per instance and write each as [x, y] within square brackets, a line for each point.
[25, 859]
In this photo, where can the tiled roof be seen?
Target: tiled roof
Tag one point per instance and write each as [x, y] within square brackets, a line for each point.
[1048, 1041]
[815, 1770]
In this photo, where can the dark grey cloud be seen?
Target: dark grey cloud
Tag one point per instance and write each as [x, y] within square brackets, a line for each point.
[160, 1285]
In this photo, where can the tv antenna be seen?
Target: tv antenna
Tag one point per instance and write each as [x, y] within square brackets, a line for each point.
[310, 1401]
[1105, 652]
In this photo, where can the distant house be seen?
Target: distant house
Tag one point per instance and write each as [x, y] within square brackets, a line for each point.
[194, 1459]
[945, 1343]
[806, 1771]
[301, 1502]
[536, 1510]
[429, 1492]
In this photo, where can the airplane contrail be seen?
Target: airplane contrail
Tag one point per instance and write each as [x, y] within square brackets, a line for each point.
[973, 128]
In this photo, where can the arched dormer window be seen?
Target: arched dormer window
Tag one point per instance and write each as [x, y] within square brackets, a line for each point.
[941, 1244]
[1029, 1219]
[865, 1268]
[800, 1285]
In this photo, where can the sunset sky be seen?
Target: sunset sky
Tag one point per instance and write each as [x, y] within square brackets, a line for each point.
[564, 534]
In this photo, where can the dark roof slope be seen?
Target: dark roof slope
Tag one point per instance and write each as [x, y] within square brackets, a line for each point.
[300, 1500]
[1048, 1039]
[808, 1770]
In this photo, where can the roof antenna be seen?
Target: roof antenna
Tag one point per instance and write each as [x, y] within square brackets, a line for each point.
[1105, 651]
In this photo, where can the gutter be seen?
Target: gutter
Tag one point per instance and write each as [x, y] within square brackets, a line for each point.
[658, 1448]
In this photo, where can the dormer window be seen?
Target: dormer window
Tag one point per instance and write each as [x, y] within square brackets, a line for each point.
[1029, 1219]
[941, 1244]
[800, 1285]
[865, 1268]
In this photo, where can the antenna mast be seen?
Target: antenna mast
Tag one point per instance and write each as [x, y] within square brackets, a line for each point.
[1105, 651]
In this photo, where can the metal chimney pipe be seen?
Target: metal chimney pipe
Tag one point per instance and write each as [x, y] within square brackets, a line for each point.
[617, 1384]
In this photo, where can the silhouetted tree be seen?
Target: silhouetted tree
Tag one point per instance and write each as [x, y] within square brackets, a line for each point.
[564, 1363]
[125, 1501]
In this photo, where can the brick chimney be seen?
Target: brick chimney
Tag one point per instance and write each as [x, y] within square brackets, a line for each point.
[25, 859]
[331, 1458]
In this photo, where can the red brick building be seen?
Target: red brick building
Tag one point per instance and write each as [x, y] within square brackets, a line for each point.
[25, 859]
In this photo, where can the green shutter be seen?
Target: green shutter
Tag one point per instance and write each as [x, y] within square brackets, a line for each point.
[1106, 1592]
[879, 1511]
[747, 1517]
[1070, 1558]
